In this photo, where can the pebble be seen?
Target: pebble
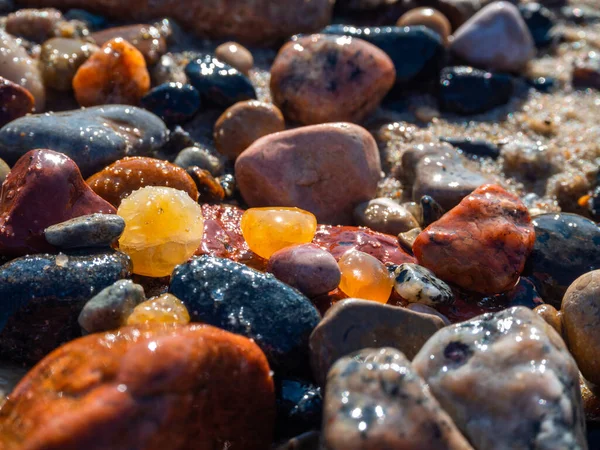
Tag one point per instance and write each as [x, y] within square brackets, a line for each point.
[466, 91]
[244, 123]
[92, 137]
[364, 276]
[407, 239]
[36, 284]
[540, 21]
[416, 284]
[174, 103]
[256, 305]
[432, 211]
[428, 17]
[60, 59]
[18, 67]
[323, 78]
[44, 188]
[581, 319]
[325, 169]
[167, 70]
[110, 308]
[415, 153]
[15, 101]
[351, 325]
[551, 316]
[199, 157]
[93, 230]
[4, 171]
[480, 245]
[299, 406]
[159, 387]
[424, 309]
[210, 189]
[446, 180]
[165, 308]
[236, 55]
[384, 215]
[146, 38]
[586, 72]
[482, 369]
[474, 147]
[93, 21]
[529, 160]
[116, 74]
[219, 84]
[496, 39]
[308, 268]
[33, 24]
[566, 247]
[375, 400]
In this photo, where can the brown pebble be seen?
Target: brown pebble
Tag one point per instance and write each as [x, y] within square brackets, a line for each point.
[429, 17]
[209, 189]
[551, 316]
[60, 58]
[15, 101]
[235, 55]
[126, 175]
[243, 123]
[146, 38]
[34, 24]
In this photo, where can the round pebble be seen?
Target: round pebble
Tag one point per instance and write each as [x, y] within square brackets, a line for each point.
[384, 215]
[235, 55]
[61, 58]
[173, 102]
[550, 315]
[94, 230]
[429, 17]
[364, 276]
[416, 284]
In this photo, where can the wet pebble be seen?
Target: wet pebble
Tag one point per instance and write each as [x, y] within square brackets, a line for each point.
[352, 324]
[167, 70]
[475, 147]
[432, 210]
[199, 157]
[465, 90]
[109, 309]
[539, 20]
[384, 215]
[146, 38]
[407, 239]
[174, 103]
[322, 78]
[15, 101]
[93, 230]
[308, 268]
[375, 400]
[247, 302]
[551, 316]
[415, 153]
[60, 58]
[428, 17]
[92, 137]
[236, 55]
[218, 83]
[299, 406]
[209, 188]
[34, 24]
[244, 123]
[416, 284]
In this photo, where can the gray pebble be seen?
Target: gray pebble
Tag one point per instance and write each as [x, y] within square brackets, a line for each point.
[408, 238]
[111, 307]
[195, 156]
[384, 215]
[93, 230]
[416, 284]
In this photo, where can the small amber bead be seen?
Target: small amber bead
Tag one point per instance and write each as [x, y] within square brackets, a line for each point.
[164, 309]
[267, 230]
[163, 228]
[365, 277]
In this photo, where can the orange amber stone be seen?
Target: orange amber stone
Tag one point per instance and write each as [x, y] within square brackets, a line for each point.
[267, 230]
[164, 309]
[365, 277]
[163, 228]
[116, 74]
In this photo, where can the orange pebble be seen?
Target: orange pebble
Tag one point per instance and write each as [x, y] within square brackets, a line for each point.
[365, 277]
[116, 74]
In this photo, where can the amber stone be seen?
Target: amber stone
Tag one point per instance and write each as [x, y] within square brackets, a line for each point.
[480, 245]
[163, 309]
[175, 387]
[365, 277]
[116, 74]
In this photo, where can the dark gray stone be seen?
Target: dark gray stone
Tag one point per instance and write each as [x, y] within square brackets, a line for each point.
[199, 157]
[93, 230]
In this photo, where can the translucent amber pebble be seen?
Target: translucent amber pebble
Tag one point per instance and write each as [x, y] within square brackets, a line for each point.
[267, 230]
[163, 228]
[164, 309]
[364, 276]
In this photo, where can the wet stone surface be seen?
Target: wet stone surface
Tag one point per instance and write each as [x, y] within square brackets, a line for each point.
[95, 230]
[416, 284]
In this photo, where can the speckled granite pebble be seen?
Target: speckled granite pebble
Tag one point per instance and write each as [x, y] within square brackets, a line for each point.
[93, 230]
[416, 284]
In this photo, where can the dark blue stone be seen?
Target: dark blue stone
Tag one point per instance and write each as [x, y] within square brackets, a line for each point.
[92, 137]
[542, 84]
[218, 83]
[474, 147]
[539, 20]
[172, 102]
[566, 247]
[465, 90]
[241, 300]
[93, 21]
[299, 407]
[41, 298]
[417, 52]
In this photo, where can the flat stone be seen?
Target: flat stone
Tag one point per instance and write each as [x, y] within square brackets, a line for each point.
[416, 284]
[92, 137]
[353, 324]
[247, 302]
[384, 215]
[93, 230]
[375, 400]
[480, 245]
[489, 374]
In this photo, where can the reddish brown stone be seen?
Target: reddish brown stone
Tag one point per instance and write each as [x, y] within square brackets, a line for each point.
[126, 175]
[166, 387]
[43, 188]
[209, 189]
[146, 38]
[480, 245]
[15, 101]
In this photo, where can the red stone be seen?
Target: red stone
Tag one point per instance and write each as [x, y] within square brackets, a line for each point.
[42, 189]
[480, 245]
[165, 387]
[15, 101]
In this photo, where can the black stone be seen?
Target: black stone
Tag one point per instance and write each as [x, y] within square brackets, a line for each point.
[542, 84]
[41, 297]
[218, 83]
[474, 147]
[299, 407]
[241, 300]
[566, 247]
[465, 90]
[432, 210]
[172, 102]
[540, 21]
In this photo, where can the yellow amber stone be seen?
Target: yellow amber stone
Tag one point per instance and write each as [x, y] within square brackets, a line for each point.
[267, 230]
[164, 309]
[163, 228]
[365, 277]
